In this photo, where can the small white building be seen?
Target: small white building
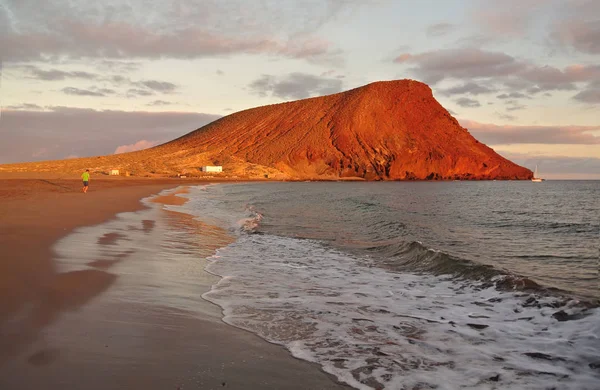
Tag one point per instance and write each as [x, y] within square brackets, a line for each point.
[212, 168]
[114, 172]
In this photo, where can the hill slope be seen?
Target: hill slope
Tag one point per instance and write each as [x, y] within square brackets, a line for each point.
[382, 131]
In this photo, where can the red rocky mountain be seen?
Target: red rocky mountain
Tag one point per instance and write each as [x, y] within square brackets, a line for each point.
[385, 130]
[392, 130]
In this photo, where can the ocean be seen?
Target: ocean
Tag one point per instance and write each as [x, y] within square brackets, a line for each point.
[395, 285]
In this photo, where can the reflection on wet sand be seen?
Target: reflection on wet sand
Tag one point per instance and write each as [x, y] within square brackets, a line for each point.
[116, 263]
[74, 288]
[105, 264]
[205, 238]
[66, 291]
[110, 238]
[172, 199]
[43, 357]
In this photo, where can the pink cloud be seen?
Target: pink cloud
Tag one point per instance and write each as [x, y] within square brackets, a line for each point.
[508, 134]
[573, 24]
[142, 144]
[433, 66]
[509, 17]
[590, 95]
[583, 36]
[295, 85]
[570, 74]
[123, 40]
[40, 152]
[440, 29]
[557, 167]
[472, 65]
[308, 47]
[403, 58]
[87, 132]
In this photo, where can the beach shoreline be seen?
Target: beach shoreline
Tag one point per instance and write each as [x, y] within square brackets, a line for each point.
[163, 348]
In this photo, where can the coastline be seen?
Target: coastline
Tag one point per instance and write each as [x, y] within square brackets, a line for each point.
[91, 348]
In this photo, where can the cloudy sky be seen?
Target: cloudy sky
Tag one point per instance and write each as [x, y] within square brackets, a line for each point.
[81, 77]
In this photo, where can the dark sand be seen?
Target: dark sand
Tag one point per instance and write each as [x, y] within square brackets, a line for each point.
[59, 331]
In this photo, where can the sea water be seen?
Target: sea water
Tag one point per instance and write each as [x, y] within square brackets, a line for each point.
[416, 285]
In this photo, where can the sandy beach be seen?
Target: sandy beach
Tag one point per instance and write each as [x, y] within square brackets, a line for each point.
[62, 330]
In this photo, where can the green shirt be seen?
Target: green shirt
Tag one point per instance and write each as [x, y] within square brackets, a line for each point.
[85, 176]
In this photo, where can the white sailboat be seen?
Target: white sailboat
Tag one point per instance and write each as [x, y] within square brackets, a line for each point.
[535, 176]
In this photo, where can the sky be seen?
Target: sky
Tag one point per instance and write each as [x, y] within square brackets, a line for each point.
[81, 78]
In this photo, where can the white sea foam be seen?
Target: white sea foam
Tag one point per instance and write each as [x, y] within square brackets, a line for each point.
[368, 326]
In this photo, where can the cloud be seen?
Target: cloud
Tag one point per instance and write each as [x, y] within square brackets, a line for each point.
[185, 30]
[439, 29]
[139, 145]
[136, 88]
[549, 78]
[467, 88]
[82, 92]
[57, 75]
[513, 95]
[404, 57]
[159, 103]
[158, 86]
[557, 167]
[40, 152]
[119, 80]
[295, 86]
[25, 106]
[469, 63]
[515, 107]
[581, 35]
[509, 17]
[118, 66]
[434, 66]
[332, 73]
[134, 92]
[492, 134]
[476, 66]
[506, 117]
[590, 95]
[466, 102]
[87, 132]
[106, 91]
[571, 24]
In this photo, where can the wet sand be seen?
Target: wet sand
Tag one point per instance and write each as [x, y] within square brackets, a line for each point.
[59, 330]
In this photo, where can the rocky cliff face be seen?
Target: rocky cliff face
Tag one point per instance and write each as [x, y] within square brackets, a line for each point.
[391, 130]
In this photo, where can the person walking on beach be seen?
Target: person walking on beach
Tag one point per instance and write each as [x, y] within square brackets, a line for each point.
[86, 180]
